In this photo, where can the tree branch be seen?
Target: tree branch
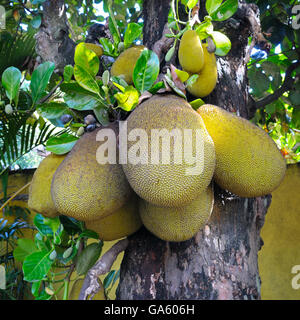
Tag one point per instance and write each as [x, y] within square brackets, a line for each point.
[90, 285]
[286, 86]
[163, 44]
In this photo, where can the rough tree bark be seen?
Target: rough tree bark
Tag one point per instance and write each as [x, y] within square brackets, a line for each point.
[220, 262]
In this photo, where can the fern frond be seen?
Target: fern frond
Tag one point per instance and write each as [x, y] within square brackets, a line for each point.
[19, 136]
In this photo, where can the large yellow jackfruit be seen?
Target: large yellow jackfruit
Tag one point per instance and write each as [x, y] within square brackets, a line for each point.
[125, 63]
[83, 188]
[164, 174]
[190, 53]
[122, 223]
[207, 77]
[181, 223]
[76, 288]
[248, 162]
[40, 199]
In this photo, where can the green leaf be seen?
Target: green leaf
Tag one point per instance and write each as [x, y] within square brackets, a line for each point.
[102, 115]
[11, 79]
[36, 21]
[86, 59]
[113, 28]
[85, 79]
[192, 79]
[182, 75]
[128, 99]
[41, 226]
[222, 42]
[88, 257]
[108, 279]
[89, 234]
[76, 97]
[204, 28]
[212, 5]
[61, 144]
[35, 287]
[174, 87]
[197, 103]
[36, 266]
[23, 249]
[132, 33]
[156, 87]
[108, 47]
[52, 110]
[191, 3]
[68, 73]
[225, 11]
[146, 70]
[40, 78]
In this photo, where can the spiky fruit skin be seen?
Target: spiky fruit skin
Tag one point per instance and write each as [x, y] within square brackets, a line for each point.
[83, 188]
[208, 76]
[40, 199]
[169, 184]
[76, 288]
[125, 63]
[121, 223]
[248, 162]
[190, 53]
[95, 48]
[178, 223]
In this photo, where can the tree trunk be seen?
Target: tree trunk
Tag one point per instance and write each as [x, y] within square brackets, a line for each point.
[220, 262]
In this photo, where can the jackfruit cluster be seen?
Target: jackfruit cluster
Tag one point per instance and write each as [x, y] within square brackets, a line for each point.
[194, 58]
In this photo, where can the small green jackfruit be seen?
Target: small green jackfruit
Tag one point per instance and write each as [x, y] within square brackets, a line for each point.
[190, 53]
[40, 199]
[248, 162]
[125, 63]
[207, 77]
[181, 223]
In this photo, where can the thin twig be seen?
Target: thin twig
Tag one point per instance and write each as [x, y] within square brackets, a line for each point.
[90, 285]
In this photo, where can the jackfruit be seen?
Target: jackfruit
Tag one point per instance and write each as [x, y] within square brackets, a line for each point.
[125, 63]
[248, 162]
[181, 223]
[40, 199]
[207, 77]
[76, 288]
[95, 48]
[83, 188]
[164, 173]
[122, 223]
[190, 53]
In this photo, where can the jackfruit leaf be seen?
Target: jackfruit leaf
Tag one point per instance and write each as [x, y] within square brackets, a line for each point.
[225, 10]
[156, 87]
[24, 248]
[35, 288]
[88, 257]
[128, 99]
[133, 31]
[36, 21]
[41, 226]
[191, 3]
[53, 223]
[76, 97]
[37, 265]
[212, 5]
[68, 73]
[102, 115]
[89, 234]
[113, 28]
[204, 28]
[109, 278]
[61, 144]
[192, 79]
[182, 75]
[85, 79]
[171, 83]
[146, 70]
[39, 80]
[86, 59]
[197, 103]
[108, 47]
[222, 42]
[11, 79]
[52, 110]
